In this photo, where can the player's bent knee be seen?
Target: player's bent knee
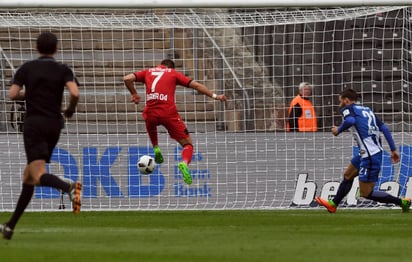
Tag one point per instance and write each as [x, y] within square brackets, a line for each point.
[365, 193]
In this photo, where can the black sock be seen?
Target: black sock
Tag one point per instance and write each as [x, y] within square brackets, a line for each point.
[384, 197]
[24, 199]
[54, 181]
[343, 190]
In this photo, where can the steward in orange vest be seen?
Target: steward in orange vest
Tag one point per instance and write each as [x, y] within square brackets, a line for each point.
[302, 115]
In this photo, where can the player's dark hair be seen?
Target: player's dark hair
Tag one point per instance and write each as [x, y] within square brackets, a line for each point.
[169, 63]
[350, 94]
[47, 43]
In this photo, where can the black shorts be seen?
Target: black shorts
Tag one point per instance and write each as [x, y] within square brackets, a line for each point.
[41, 135]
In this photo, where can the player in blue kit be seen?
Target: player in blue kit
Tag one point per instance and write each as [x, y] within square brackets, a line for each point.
[366, 129]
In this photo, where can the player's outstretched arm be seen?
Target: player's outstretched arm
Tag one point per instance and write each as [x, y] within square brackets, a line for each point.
[204, 90]
[74, 98]
[391, 142]
[395, 157]
[347, 122]
[129, 83]
[16, 93]
[334, 130]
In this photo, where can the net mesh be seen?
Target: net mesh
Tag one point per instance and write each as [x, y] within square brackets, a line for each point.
[257, 57]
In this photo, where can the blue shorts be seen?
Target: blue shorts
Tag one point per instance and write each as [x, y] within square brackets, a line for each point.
[356, 161]
[370, 168]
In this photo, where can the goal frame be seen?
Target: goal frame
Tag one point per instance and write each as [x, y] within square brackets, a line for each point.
[249, 178]
[194, 3]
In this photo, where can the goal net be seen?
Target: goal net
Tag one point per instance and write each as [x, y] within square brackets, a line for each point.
[244, 158]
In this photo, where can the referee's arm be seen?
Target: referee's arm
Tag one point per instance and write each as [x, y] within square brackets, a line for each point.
[73, 100]
[16, 93]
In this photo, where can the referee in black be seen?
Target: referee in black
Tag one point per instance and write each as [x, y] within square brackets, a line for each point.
[44, 80]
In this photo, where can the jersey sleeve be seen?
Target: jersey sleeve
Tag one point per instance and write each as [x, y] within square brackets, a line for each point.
[19, 76]
[386, 133]
[379, 122]
[68, 75]
[388, 136]
[348, 120]
[140, 76]
[182, 79]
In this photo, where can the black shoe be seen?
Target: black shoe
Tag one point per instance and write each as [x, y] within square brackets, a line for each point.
[7, 231]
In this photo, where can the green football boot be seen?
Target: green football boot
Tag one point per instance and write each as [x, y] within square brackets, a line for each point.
[186, 172]
[406, 205]
[158, 155]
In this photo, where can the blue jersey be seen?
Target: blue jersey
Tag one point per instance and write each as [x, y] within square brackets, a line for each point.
[365, 128]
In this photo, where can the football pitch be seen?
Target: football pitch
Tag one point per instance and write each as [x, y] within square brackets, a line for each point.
[241, 235]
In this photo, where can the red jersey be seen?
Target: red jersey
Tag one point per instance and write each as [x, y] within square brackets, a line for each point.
[161, 83]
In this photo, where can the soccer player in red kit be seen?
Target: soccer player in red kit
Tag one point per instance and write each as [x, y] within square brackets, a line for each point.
[160, 109]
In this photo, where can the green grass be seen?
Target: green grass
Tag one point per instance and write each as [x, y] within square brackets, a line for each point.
[282, 235]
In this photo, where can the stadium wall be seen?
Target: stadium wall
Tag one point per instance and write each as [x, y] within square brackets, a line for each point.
[252, 171]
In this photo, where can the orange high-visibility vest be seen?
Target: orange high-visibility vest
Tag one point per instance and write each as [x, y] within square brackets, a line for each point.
[307, 122]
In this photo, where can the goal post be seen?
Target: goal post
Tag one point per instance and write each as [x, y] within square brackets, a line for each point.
[244, 158]
[195, 3]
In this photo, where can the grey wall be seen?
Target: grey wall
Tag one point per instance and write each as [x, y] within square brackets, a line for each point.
[230, 170]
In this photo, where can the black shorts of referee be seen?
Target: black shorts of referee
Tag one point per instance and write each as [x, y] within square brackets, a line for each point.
[41, 135]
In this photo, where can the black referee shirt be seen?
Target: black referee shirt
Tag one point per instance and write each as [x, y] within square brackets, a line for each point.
[44, 80]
